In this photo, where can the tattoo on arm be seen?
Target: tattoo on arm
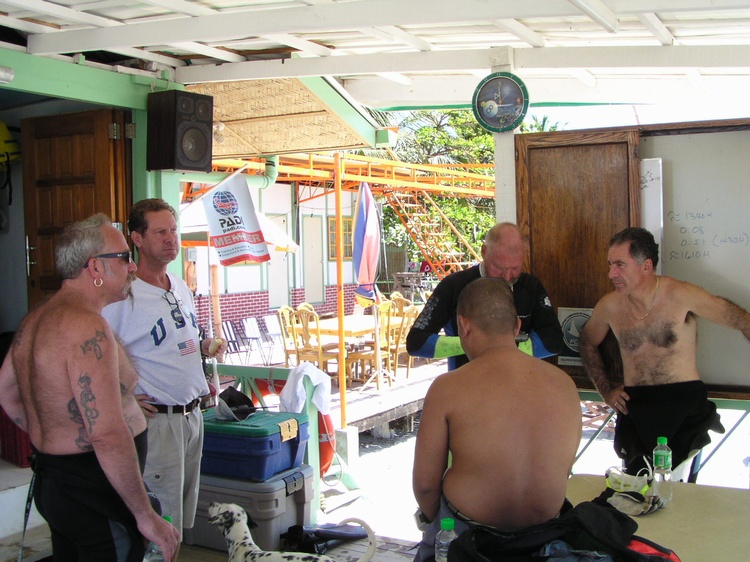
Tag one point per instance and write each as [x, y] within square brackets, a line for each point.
[88, 401]
[594, 366]
[93, 344]
[83, 442]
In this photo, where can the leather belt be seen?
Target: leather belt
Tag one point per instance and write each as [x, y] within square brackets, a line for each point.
[178, 409]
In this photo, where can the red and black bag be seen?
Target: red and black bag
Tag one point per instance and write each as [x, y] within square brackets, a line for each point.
[589, 526]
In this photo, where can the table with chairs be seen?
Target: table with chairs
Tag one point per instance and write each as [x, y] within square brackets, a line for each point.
[302, 335]
[365, 360]
[308, 339]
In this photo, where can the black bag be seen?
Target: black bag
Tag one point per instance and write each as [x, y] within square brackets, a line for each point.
[318, 540]
[588, 526]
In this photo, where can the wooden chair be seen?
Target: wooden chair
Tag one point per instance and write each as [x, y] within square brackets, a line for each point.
[285, 315]
[400, 303]
[367, 356]
[310, 347]
[401, 324]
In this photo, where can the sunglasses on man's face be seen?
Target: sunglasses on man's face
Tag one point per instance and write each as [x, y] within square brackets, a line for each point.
[126, 257]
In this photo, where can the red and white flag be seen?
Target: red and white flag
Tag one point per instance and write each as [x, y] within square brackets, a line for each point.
[233, 225]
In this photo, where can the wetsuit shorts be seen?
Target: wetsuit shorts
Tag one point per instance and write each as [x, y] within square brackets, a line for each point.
[680, 411]
[87, 518]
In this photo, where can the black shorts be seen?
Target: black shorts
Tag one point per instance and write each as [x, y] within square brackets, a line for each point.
[87, 518]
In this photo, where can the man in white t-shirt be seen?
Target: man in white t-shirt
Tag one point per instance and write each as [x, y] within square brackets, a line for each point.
[159, 330]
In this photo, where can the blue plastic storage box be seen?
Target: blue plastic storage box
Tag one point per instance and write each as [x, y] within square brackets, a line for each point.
[256, 448]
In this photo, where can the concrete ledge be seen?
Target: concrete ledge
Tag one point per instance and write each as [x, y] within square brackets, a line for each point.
[388, 416]
[37, 545]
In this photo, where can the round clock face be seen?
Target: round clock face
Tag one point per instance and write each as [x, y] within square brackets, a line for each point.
[500, 102]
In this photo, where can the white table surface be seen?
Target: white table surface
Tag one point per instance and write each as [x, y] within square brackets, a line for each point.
[701, 523]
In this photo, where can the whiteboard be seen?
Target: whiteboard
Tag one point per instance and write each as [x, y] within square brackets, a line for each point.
[652, 208]
[706, 200]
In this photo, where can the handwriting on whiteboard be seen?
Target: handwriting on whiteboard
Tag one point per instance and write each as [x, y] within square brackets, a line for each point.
[698, 235]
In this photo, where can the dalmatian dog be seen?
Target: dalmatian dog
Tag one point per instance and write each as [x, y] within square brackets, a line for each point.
[235, 523]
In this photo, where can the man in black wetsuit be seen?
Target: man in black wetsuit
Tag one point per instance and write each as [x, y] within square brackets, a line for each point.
[503, 253]
[69, 384]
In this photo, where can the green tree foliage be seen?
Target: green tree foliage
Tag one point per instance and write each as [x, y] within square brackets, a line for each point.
[442, 137]
[534, 124]
[446, 137]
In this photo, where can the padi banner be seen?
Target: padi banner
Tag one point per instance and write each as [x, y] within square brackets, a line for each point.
[232, 224]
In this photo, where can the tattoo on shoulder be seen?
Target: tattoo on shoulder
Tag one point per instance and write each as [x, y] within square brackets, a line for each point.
[93, 344]
[83, 442]
[88, 401]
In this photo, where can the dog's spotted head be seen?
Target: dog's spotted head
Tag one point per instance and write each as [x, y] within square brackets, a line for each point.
[225, 515]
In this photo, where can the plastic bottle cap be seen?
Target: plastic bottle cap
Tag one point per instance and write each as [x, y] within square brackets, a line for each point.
[447, 524]
[661, 440]
[167, 518]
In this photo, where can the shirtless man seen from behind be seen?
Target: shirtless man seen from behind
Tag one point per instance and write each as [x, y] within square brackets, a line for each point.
[512, 424]
[654, 319]
[67, 382]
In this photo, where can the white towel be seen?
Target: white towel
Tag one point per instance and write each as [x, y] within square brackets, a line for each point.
[292, 396]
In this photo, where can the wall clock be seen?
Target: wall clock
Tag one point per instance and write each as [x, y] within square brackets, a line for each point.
[500, 102]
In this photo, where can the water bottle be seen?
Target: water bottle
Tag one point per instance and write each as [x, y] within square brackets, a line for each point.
[662, 470]
[153, 552]
[443, 539]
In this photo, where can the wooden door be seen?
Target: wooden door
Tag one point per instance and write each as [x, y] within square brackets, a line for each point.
[74, 165]
[574, 191]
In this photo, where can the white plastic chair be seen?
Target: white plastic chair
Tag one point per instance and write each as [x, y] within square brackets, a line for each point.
[274, 333]
[254, 338]
[235, 345]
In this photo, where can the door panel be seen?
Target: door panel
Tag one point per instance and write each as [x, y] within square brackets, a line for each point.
[71, 169]
[278, 271]
[575, 190]
[312, 248]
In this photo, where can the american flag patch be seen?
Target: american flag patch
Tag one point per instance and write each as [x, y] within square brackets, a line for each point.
[186, 347]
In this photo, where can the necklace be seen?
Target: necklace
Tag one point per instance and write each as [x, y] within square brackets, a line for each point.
[653, 300]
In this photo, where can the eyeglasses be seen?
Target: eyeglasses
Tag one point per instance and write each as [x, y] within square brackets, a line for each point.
[174, 304]
[126, 257]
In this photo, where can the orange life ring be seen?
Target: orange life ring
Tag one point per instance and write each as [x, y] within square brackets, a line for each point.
[326, 429]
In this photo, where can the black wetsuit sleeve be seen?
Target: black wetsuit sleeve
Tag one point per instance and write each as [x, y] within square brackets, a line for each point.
[436, 315]
[545, 323]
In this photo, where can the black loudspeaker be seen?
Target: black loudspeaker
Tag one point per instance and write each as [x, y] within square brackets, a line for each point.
[180, 130]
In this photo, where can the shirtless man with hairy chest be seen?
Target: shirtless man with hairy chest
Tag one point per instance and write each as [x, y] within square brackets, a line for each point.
[654, 319]
[68, 383]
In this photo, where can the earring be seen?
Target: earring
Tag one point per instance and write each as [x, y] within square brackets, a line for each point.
[100, 282]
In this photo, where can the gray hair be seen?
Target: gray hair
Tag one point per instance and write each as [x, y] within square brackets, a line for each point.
[79, 242]
[642, 244]
[506, 234]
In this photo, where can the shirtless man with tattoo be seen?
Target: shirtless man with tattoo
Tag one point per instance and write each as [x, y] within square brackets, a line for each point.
[654, 319]
[511, 422]
[69, 384]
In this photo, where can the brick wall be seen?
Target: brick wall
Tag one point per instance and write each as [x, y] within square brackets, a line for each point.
[236, 306]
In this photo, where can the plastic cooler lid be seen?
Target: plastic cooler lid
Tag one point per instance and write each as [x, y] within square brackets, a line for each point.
[259, 424]
[291, 480]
